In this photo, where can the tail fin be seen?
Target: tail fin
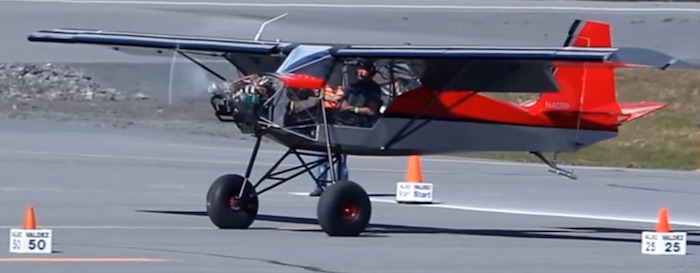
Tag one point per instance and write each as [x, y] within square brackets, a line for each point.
[591, 91]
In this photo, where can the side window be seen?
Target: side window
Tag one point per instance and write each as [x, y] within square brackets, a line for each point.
[396, 77]
[363, 95]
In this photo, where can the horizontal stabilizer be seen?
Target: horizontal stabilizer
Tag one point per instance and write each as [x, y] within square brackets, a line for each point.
[635, 110]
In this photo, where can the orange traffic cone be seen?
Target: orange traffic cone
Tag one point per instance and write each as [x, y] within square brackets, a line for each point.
[413, 170]
[662, 225]
[29, 219]
[413, 189]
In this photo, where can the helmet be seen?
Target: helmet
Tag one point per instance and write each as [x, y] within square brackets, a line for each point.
[365, 63]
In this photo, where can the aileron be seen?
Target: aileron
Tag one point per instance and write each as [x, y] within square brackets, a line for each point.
[474, 53]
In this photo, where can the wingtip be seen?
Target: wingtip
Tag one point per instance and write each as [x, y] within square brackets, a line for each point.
[644, 57]
[50, 35]
[682, 64]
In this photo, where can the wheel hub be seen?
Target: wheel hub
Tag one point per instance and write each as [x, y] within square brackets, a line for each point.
[234, 203]
[349, 211]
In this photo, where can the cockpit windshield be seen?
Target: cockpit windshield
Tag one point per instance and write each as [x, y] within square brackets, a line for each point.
[313, 61]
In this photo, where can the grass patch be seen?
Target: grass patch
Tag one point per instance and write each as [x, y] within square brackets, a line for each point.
[666, 139]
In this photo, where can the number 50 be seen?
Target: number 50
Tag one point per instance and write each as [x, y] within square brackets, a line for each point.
[37, 244]
[16, 243]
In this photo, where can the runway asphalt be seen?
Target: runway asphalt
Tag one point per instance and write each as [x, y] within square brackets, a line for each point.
[139, 193]
[671, 27]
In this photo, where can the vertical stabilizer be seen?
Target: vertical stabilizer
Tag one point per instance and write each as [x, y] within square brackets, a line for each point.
[589, 93]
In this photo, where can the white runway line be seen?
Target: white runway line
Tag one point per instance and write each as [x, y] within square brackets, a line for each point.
[529, 212]
[183, 160]
[532, 7]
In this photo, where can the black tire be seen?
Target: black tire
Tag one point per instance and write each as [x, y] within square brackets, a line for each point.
[220, 209]
[333, 218]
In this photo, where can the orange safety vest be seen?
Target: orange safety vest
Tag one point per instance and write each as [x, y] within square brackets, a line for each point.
[328, 91]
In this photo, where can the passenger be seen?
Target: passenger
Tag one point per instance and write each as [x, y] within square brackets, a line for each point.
[332, 101]
[322, 172]
[303, 106]
[332, 98]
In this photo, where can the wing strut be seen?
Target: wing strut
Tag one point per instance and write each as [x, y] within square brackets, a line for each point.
[201, 65]
[334, 175]
[172, 68]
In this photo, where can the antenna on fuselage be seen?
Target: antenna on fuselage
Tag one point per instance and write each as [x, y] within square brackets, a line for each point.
[262, 27]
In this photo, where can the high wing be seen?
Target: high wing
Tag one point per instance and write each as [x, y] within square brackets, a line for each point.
[248, 56]
[469, 68]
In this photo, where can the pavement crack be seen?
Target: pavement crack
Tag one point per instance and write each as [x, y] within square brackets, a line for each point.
[269, 261]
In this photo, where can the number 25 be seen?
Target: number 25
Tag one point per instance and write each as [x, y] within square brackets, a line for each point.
[672, 247]
[651, 246]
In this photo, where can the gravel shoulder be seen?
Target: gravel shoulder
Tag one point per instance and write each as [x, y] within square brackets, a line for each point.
[114, 95]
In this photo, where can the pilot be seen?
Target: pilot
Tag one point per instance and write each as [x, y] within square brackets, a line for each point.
[363, 98]
[360, 101]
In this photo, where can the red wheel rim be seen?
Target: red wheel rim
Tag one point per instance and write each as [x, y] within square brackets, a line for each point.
[234, 203]
[349, 211]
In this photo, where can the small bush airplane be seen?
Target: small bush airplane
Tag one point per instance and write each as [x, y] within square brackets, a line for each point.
[430, 101]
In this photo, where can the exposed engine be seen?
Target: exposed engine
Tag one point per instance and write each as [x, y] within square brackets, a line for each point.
[242, 100]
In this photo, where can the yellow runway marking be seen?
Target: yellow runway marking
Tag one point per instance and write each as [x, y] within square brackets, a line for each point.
[79, 260]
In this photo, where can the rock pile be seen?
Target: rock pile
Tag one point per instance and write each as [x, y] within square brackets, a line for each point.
[29, 82]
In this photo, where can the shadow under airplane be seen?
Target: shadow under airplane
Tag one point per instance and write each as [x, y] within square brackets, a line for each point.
[382, 230]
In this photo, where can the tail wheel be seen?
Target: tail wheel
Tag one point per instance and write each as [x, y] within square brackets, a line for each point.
[344, 209]
[226, 209]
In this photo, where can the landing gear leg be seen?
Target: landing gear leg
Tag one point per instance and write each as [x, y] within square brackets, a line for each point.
[232, 201]
[344, 208]
[555, 169]
[226, 208]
